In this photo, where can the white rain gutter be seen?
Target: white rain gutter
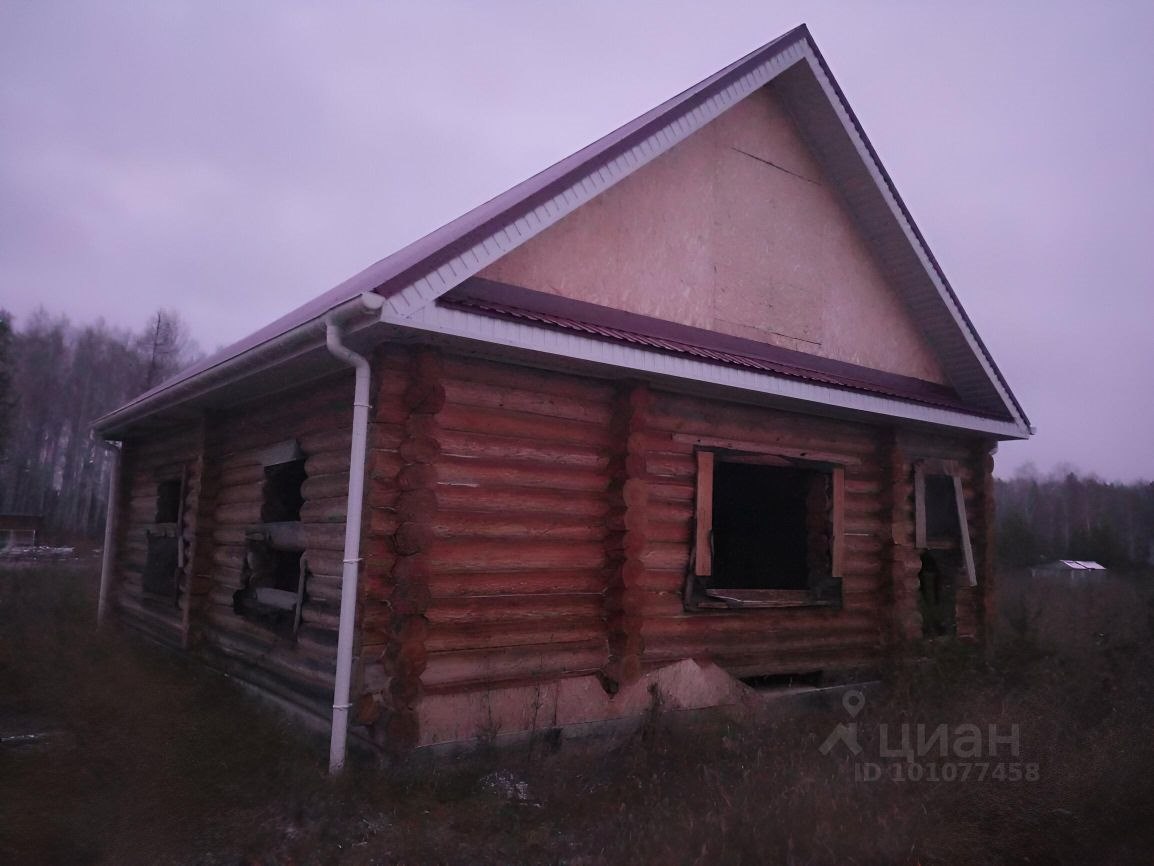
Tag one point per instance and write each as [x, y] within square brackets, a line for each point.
[338, 744]
[111, 519]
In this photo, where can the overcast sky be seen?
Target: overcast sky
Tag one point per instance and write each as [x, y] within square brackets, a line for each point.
[234, 159]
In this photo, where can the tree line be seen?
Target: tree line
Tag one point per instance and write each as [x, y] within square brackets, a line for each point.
[1065, 515]
[56, 378]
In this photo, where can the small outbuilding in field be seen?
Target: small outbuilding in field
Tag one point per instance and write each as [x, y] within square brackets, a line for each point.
[1069, 568]
[19, 530]
[694, 405]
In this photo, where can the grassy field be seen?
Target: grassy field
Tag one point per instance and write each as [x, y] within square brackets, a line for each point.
[147, 758]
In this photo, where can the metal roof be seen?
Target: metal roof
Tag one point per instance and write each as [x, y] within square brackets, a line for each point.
[501, 300]
[420, 273]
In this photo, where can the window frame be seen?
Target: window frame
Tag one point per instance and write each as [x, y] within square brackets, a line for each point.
[162, 586]
[950, 469]
[707, 453]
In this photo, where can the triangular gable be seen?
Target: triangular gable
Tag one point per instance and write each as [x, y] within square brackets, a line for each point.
[737, 230]
[413, 278]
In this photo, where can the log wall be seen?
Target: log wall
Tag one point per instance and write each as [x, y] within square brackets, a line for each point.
[319, 417]
[522, 527]
[765, 641]
[146, 462]
[493, 509]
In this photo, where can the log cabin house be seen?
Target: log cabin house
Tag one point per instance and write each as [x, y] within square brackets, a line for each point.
[693, 405]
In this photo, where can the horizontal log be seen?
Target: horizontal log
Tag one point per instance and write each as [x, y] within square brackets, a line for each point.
[325, 486]
[327, 463]
[469, 637]
[501, 473]
[327, 441]
[240, 514]
[671, 492]
[663, 465]
[229, 556]
[242, 475]
[511, 448]
[501, 375]
[513, 527]
[531, 401]
[498, 555]
[239, 493]
[522, 425]
[658, 531]
[321, 615]
[666, 557]
[324, 536]
[332, 510]
[227, 577]
[528, 662]
[496, 583]
[719, 647]
[513, 608]
[770, 623]
[590, 505]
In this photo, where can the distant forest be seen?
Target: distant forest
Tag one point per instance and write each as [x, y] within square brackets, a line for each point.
[56, 377]
[1065, 515]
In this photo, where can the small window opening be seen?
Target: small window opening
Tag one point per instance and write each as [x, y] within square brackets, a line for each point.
[160, 564]
[274, 583]
[941, 510]
[940, 522]
[282, 492]
[168, 501]
[768, 532]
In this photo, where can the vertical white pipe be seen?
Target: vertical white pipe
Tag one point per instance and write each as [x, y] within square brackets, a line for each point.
[111, 517]
[352, 555]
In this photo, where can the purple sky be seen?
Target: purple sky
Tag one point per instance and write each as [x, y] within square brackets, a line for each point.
[234, 160]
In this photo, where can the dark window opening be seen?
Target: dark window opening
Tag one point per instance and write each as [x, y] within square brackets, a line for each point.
[168, 501]
[940, 521]
[941, 509]
[937, 594]
[768, 532]
[282, 492]
[273, 585]
[760, 533]
[160, 565]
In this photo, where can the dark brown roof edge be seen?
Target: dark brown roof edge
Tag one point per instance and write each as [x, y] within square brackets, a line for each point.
[502, 300]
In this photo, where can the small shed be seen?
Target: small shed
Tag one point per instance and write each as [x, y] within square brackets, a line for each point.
[1069, 568]
[19, 530]
[695, 404]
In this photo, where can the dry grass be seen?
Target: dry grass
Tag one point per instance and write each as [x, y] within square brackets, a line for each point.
[160, 761]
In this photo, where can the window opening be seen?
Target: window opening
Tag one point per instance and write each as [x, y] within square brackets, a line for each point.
[282, 492]
[168, 501]
[275, 572]
[768, 534]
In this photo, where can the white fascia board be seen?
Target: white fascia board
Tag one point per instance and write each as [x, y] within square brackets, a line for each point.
[567, 346]
[908, 231]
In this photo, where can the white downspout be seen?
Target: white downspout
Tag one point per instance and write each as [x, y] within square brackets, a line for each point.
[111, 519]
[352, 554]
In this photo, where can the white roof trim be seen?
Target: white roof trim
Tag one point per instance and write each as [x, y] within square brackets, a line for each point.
[453, 322]
[911, 236]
